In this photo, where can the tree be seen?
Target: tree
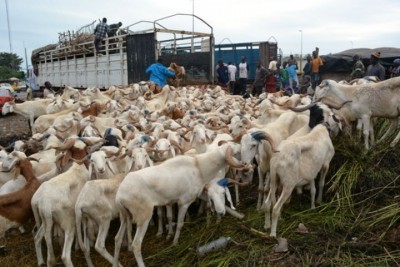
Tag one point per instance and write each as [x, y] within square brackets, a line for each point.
[10, 64]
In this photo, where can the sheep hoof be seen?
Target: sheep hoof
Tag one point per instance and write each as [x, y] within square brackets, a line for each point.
[158, 235]
[282, 246]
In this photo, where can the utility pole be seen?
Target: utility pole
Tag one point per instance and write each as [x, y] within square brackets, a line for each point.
[301, 49]
[193, 27]
[8, 24]
[26, 62]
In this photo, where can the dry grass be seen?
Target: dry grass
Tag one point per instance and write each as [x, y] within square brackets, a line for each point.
[357, 225]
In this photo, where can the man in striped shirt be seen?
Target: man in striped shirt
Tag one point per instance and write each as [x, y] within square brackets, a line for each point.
[100, 32]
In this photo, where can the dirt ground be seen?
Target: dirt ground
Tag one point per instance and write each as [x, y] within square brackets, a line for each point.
[13, 127]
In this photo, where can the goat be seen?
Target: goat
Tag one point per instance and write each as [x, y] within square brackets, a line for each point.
[96, 202]
[368, 100]
[30, 110]
[183, 181]
[53, 204]
[16, 206]
[298, 163]
[180, 74]
[252, 146]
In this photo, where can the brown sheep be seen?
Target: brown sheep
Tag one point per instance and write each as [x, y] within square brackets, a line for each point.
[16, 206]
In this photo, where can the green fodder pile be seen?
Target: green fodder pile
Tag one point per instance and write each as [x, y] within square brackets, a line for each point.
[356, 225]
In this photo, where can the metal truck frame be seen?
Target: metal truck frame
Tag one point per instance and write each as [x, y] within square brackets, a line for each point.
[125, 56]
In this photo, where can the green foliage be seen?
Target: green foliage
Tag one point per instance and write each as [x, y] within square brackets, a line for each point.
[10, 64]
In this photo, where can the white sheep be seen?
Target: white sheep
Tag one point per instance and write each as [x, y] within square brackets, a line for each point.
[183, 180]
[367, 100]
[53, 204]
[252, 146]
[297, 163]
[96, 202]
[30, 110]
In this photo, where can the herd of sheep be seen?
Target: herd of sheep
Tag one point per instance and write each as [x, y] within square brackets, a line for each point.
[99, 155]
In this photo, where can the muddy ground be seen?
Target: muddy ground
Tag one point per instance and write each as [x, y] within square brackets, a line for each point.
[13, 127]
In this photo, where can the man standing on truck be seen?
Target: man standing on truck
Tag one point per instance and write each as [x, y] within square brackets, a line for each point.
[100, 33]
[113, 28]
[158, 74]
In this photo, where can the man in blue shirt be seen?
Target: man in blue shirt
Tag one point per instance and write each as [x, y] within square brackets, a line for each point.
[292, 71]
[222, 74]
[158, 74]
[100, 32]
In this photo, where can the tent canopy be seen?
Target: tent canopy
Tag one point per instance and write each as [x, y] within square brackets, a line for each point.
[343, 61]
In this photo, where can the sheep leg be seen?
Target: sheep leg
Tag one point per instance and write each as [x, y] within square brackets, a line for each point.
[237, 194]
[129, 233]
[169, 218]
[261, 175]
[312, 192]
[101, 240]
[160, 215]
[359, 128]
[31, 122]
[267, 205]
[266, 188]
[201, 207]
[392, 128]
[120, 236]
[395, 140]
[48, 225]
[68, 240]
[323, 172]
[372, 134]
[237, 178]
[83, 242]
[366, 122]
[229, 198]
[85, 246]
[276, 211]
[38, 244]
[181, 216]
[137, 242]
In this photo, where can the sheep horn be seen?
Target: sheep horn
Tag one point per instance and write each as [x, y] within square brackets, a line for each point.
[266, 136]
[302, 108]
[340, 106]
[176, 145]
[229, 158]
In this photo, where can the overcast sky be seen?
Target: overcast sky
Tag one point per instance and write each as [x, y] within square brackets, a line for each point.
[332, 25]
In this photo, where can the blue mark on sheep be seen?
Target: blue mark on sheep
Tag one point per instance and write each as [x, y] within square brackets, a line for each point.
[258, 136]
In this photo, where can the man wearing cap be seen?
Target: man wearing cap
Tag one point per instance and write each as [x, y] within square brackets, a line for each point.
[375, 68]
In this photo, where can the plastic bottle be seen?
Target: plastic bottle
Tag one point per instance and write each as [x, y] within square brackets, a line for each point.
[213, 245]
